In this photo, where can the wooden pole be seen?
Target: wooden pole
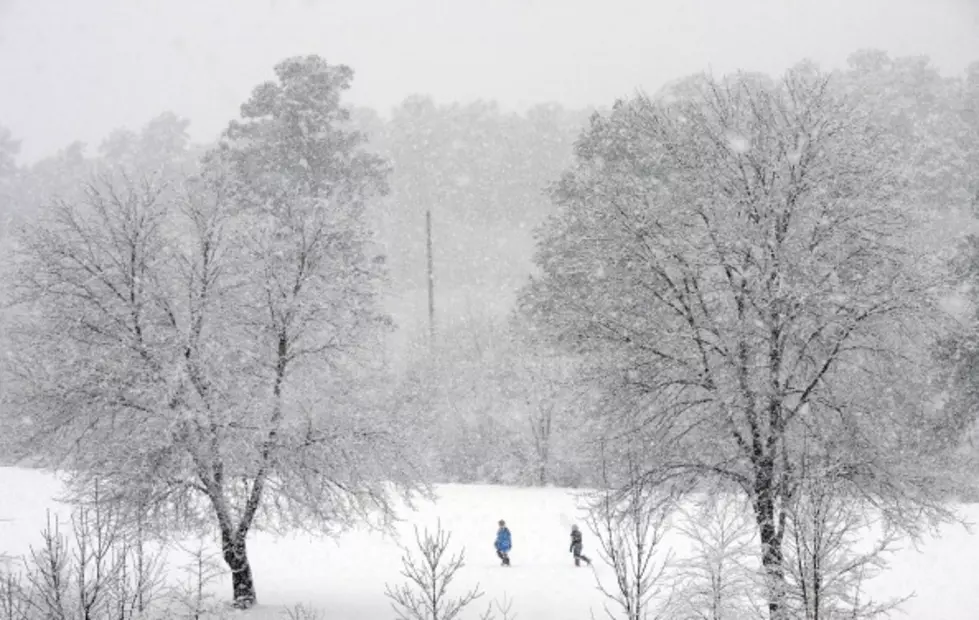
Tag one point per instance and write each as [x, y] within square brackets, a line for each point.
[431, 279]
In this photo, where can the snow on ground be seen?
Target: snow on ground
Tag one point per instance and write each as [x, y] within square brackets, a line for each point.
[344, 578]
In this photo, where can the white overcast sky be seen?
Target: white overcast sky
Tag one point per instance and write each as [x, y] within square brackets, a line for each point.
[76, 69]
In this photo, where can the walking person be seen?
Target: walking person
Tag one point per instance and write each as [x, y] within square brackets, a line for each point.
[576, 545]
[504, 543]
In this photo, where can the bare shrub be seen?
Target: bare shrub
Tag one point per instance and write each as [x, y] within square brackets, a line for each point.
[49, 573]
[425, 595]
[140, 579]
[301, 611]
[504, 608]
[15, 602]
[630, 527]
[826, 568]
[103, 570]
[193, 597]
[715, 580]
[113, 571]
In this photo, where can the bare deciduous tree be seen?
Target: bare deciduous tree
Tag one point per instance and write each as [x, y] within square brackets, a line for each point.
[836, 543]
[544, 382]
[496, 409]
[207, 353]
[718, 579]
[630, 527]
[736, 261]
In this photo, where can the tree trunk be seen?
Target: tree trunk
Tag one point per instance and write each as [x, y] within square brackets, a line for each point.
[770, 535]
[236, 556]
[542, 445]
[543, 457]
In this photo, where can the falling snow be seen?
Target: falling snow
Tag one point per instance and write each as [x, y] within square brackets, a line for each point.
[480, 261]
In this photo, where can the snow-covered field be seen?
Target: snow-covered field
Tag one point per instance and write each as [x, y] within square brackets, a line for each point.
[345, 578]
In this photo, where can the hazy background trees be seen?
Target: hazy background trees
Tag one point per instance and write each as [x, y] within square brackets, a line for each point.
[483, 172]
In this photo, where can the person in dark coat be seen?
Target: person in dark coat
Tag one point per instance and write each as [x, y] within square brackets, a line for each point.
[504, 543]
[576, 545]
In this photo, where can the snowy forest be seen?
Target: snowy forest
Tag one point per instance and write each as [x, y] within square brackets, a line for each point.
[745, 288]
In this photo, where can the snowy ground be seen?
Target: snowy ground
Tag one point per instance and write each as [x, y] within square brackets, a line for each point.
[345, 578]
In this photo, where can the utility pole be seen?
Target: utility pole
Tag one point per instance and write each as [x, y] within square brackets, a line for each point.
[431, 279]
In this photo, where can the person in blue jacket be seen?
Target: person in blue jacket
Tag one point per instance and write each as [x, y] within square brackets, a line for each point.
[503, 543]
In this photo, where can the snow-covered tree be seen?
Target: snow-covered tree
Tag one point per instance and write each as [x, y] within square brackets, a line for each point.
[9, 148]
[209, 357]
[924, 117]
[9, 181]
[735, 263]
[718, 580]
[161, 148]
